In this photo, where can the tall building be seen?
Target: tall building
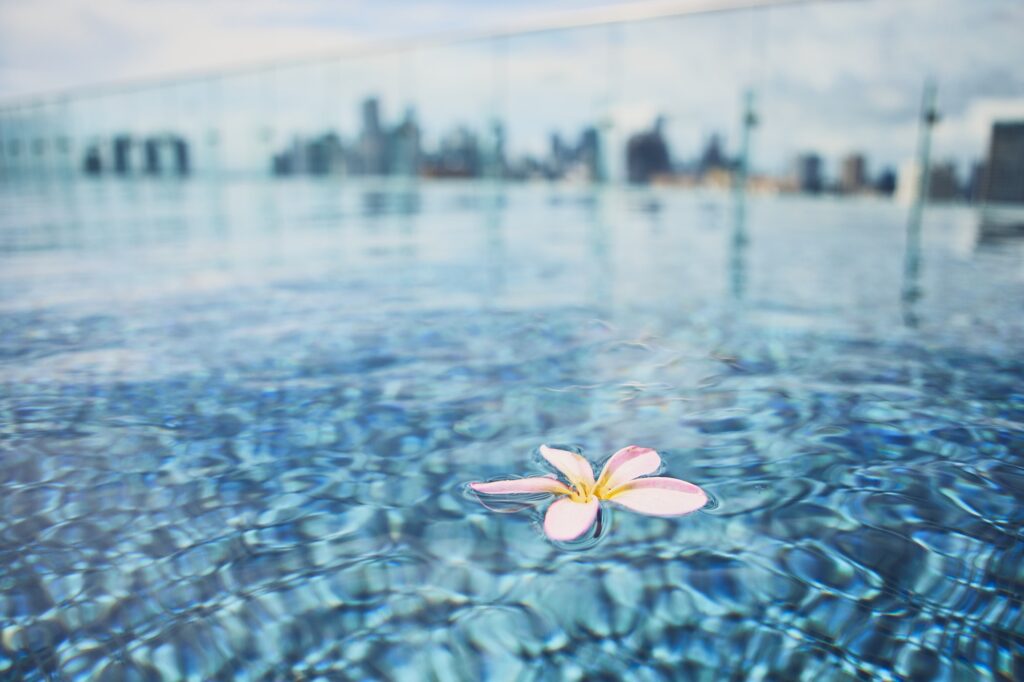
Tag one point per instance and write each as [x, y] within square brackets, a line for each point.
[560, 156]
[808, 173]
[458, 155]
[1004, 170]
[712, 157]
[492, 151]
[151, 156]
[908, 182]
[647, 155]
[976, 182]
[943, 183]
[589, 152]
[92, 163]
[182, 163]
[122, 154]
[403, 146]
[371, 140]
[886, 182]
[853, 174]
[323, 154]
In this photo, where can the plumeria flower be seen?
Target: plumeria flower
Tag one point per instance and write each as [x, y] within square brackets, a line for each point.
[574, 513]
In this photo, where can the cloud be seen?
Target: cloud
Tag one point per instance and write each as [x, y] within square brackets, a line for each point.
[972, 128]
[66, 43]
[54, 44]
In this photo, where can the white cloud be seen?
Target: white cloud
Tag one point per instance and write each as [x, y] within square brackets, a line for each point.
[971, 129]
[52, 44]
[64, 43]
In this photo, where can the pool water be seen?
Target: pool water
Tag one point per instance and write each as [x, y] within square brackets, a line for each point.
[237, 421]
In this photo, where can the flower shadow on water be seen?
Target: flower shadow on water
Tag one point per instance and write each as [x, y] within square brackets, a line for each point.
[512, 504]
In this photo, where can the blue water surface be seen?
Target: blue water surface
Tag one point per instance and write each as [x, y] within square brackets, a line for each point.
[237, 421]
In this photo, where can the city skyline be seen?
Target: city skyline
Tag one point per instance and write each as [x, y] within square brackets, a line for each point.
[825, 74]
[384, 146]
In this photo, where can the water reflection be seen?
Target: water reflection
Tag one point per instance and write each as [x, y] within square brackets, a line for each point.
[598, 236]
[997, 225]
[601, 266]
[495, 243]
[739, 200]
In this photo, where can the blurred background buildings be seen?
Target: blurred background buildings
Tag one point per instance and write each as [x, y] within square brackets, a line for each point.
[636, 93]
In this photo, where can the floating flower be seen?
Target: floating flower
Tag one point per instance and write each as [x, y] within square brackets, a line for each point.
[620, 481]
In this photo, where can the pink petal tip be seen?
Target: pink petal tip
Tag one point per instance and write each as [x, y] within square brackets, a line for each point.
[660, 496]
[627, 464]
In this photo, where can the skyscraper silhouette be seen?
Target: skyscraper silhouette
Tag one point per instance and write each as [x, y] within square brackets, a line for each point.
[1004, 170]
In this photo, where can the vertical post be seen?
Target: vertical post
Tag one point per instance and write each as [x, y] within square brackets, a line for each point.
[494, 134]
[5, 124]
[608, 167]
[62, 138]
[912, 255]
[737, 270]
[214, 138]
[404, 155]
[266, 131]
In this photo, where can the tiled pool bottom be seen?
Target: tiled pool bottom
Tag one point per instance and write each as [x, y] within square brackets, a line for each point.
[236, 424]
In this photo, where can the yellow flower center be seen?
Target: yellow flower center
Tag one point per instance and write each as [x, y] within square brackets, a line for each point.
[584, 493]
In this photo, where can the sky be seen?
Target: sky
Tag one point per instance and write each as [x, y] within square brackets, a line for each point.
[832, 77]
[47, 45]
